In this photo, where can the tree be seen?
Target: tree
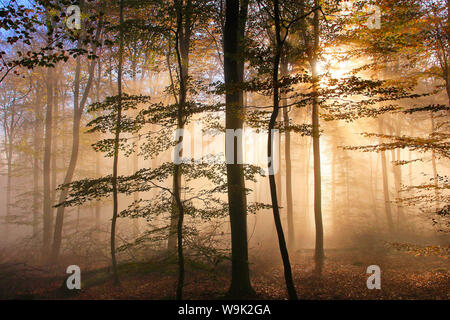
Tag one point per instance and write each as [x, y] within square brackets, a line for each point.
[270, 152]
[12, 118]
[78, 108]
[116, 150]
[47, 204]
[233, 35]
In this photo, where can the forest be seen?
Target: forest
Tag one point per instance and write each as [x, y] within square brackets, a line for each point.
[224, 149]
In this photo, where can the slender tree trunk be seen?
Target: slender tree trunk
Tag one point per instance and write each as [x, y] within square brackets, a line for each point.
[182, 50]
[37, 152]
[397, 181]
[9, 181]
[136, 197]
[179, 204]
[278, 173]
[116, 151]
[54, 168]
[434, 167]
[387, 202]
[319, 251]
[78, 107]
[183, 35]
[333, 190]
[288, 163]
[347, 182]
[47, 204]
[97, 156]
[373, 191]
[97, 204]
[307, 149]
[235, 21]
[270, 155]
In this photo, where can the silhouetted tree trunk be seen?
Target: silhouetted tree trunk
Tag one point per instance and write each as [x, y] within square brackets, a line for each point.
[184, 30]
[387, 202]
[307, 151]
[434, 167]
[47, 204]
[270, 154]
[333, 189]
[9, 128]
[319, 253]
[116, 151]
[182, 42]
[37, 143]
[235, 21]
[134, 63]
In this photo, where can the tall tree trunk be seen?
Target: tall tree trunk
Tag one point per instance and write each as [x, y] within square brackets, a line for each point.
[54, 169]
[397, 182]
[270, 156]
[47, 204]
[235, 21]
[182, 50]
[134, 63]
[307, 150]
[136, 196]
[373, 192]
[97, 156]
[434, 167]
[319, 252]
[78, 107]
[288, 163]
[387, 202]
[37, 143]
[182, 43]
[97, 204]
[278, 173]
[9, 149]
[333, 190]
[116, 151]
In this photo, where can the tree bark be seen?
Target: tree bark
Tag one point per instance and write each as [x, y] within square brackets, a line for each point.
[54, 169]
[434, 167]
[184, 26]
[116, 151]
[387, 202]
[37, 142]
[47, 204]
[288, 163]
[78, 107]
[333, 190]
[270, 156]
[182, 43]
[398, 182]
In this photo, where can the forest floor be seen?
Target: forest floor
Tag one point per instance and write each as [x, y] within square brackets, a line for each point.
[404, 275]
